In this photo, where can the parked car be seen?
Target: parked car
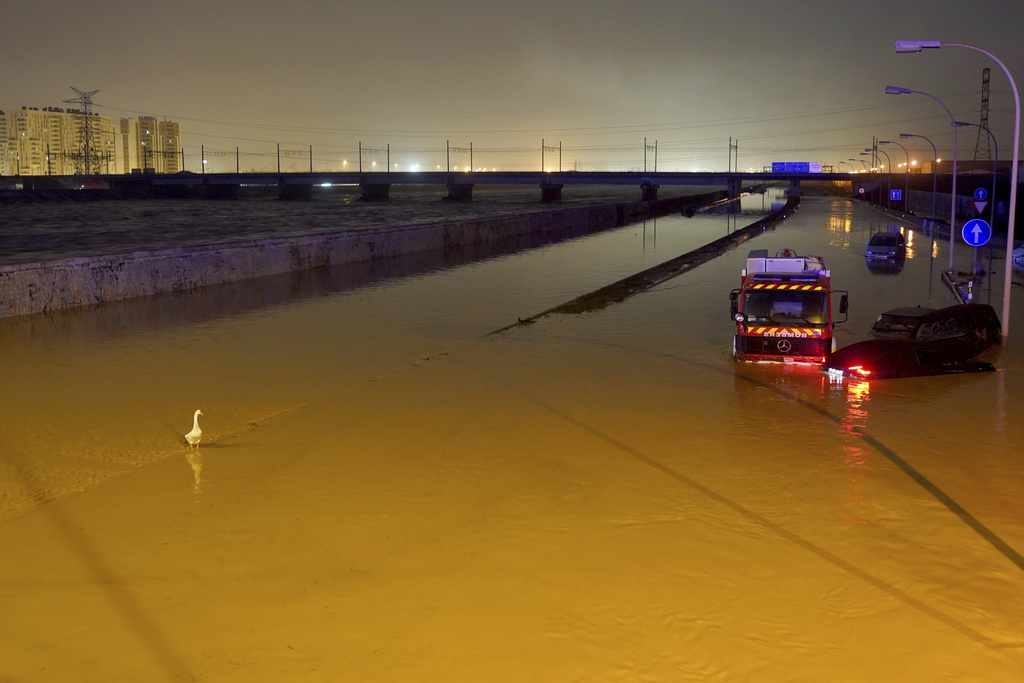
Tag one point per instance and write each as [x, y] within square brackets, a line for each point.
[887, 245]
[964, 330]
[1017, 258]
[892, 358]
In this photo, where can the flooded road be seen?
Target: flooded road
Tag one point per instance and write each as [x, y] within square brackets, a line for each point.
[384, 491]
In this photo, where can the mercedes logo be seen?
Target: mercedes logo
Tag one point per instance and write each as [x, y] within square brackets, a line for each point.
[785, 346]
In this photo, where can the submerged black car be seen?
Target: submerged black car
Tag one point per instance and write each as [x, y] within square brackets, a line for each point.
[964, 330]
[886, 245]
[892, 358]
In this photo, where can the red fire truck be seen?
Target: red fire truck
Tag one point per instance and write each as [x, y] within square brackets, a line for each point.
[783, 309]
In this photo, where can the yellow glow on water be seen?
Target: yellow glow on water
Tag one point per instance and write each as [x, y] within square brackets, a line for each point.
[855, 455]
[840, 225]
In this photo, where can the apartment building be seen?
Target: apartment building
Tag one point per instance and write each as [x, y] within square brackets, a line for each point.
[54, 141]
[148, 144]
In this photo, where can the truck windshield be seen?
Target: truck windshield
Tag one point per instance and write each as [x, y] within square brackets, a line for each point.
[786, 306]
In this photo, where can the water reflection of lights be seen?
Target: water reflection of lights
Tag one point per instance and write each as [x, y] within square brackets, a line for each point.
[857, 393]
[195, 459]
[840, 225]
[909, 235]
[854, 454]
[840, 221]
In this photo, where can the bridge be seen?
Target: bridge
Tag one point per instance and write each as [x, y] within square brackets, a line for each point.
[376, 186]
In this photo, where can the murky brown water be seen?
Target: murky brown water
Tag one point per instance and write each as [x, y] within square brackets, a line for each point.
[386, 493]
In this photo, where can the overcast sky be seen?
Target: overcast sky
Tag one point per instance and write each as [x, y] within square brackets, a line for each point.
[791, 80]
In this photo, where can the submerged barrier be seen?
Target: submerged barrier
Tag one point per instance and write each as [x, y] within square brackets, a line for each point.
[31, 288]
[618, 292]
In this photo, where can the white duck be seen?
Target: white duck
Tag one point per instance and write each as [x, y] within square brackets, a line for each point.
[196, 434]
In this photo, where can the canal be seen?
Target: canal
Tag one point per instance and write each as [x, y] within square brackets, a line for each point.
[387, 491]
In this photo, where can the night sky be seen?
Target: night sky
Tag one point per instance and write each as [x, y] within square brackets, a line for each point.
[791, 80]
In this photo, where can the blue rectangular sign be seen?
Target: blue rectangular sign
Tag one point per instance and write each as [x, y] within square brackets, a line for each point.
[796, 167]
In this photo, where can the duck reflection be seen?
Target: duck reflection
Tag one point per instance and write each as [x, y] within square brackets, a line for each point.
[195, 459]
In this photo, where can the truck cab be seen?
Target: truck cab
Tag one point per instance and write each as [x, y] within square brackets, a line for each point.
[783, 309]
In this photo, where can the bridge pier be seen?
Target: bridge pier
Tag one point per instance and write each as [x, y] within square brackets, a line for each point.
[649, 192]
[375, 192]
[734, 185]
[459, 192]
[550, 193]
[289, 192]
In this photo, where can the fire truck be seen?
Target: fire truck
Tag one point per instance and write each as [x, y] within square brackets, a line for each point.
[783, 309]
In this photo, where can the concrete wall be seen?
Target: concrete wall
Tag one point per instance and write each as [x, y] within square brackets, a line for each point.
[31, 288]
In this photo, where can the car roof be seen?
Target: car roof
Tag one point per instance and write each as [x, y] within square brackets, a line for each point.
[959, 309]
[909, 311]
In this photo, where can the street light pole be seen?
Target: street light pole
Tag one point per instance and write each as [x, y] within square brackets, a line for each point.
[892, 90]
[935, 163]
[888, 176]
[906, 173]
[875, 166]
[995, 164]
[918, 45]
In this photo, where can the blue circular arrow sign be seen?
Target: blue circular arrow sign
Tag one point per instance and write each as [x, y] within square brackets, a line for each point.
[981, 194]
[976, 232]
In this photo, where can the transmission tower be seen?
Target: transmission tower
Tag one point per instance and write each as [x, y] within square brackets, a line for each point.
[982, 151]
[85, 161]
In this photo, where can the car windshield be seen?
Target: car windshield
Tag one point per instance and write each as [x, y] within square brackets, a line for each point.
[885, 239]
[786, 306]
[897, 323]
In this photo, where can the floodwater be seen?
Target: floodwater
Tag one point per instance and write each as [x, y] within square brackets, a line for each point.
[387, 492]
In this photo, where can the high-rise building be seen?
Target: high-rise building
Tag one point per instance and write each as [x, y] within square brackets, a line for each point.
[148, 144]
[3, 144]
[53, 141]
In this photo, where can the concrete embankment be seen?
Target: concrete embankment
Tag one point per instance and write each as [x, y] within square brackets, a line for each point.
[31, 288]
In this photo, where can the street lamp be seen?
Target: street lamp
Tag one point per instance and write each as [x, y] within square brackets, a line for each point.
[892, 90]
[995, 162]
[918, 45]
[866, 167]
[935, 163]
[888, 175]
[906, 174]
[848, 164]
